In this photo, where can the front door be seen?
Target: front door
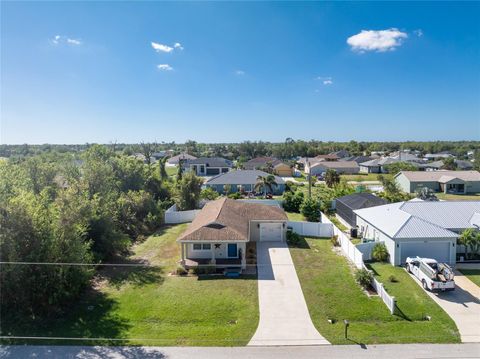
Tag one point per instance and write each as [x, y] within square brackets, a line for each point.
[232, 250]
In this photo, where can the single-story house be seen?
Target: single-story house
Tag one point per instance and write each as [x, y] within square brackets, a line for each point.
[346, 205]
[358, 159]
[242, 180]
[340, 154]
[259, 163]
[419, 228]
[457, 182]
[348, 167]
[434, 156]
[175, 160]
[220, 232]
[208, 166]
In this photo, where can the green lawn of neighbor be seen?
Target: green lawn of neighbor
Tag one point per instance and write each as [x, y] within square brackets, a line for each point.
[331, 293]
[364, 177]
[171, 171]
[472, 274]
[458, 197]
[292, 216]
[146, 306]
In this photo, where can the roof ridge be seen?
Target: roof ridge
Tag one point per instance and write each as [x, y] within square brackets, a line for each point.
[420, 219]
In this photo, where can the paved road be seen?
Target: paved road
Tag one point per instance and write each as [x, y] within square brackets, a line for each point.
[403, 351]
[284, 316]
[463, 306]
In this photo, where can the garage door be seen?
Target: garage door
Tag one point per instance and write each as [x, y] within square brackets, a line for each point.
[436, 250]
[270, 232]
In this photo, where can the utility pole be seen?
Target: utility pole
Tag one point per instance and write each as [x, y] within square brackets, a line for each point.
[309, 179]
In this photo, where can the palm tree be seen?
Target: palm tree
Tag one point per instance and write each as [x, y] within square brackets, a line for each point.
[332, 178]
[466, 238]
[265, 182]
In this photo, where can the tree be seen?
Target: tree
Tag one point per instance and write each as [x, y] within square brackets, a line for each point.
[162, 171]
[332, 178]
[449, 164]
[310, 208]
[400, 166]
[426, 194]
[188, 191]
[380, 252]
[265, 183]
[209, 194]
[391, 192]
[465, 238]
[181, 161]
[292, 201]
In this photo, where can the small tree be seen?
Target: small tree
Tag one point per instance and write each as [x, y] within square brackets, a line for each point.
[426, 194]
[449, 164]
[380, 252]
[162, 171]
[227, 189]
[364, 277]
[209, 194]
[292, 201]
[332, 178]
[265, 183]
[310, 208]
[465, 238]
[188, 191]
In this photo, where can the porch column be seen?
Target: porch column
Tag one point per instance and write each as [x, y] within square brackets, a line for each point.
[212, 250]
[183, 253]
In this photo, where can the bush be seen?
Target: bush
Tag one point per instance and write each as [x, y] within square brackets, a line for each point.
[234, 195]
[293, 238]
[209, 194]
[380, 252]
[292, 201]
[392, 279]
[204, 270]
[364, 277]
[181, 271]
[335, 241]
[310, 208]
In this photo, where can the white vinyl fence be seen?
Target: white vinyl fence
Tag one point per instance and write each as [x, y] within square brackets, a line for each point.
[356, 257]
[311, 229]
[366, 249]
[173, 216]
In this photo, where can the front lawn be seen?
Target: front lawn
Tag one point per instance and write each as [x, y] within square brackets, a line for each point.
[458, 197]
[292, 216]
[364, 177]
[331, 293]
[147, 306]
[472, 274]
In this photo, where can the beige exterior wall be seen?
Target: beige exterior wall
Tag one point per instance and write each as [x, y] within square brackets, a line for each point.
[283, 171]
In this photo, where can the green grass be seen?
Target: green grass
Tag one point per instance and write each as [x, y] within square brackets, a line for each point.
[337, 223]
[292, 216]
[472, 274]
[171, 171]
[458, 197]
[146, 306]
[364, 177]
[331, 293]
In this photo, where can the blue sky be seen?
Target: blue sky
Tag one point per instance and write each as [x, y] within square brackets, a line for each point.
[88, 71]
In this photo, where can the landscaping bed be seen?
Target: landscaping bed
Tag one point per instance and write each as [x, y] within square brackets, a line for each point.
[331, 293]
[147, 306]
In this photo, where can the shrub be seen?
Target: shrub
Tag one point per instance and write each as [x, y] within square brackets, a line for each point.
[292, 201]
[310, 208]
[181, 271]
[364, 277]
[234, 195]
[335, 241]
[392, 279]
[209, 193]
[293, 238]
[380, 252]
[204, 270]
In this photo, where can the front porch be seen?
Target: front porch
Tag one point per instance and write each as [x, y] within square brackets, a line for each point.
[221, 263]
[208, 253]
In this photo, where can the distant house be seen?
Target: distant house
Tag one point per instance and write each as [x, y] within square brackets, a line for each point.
[279, 168]
[174, 161]
[358, 159]
[346, 205]
[340, 154]
[432, 166]
[457, 182]
[419, 228]
[208, 166]
[161, 154]
[242, 180]
[220, 233]
[434, 156]
[342, 167]
[378, 165]
[464, 165]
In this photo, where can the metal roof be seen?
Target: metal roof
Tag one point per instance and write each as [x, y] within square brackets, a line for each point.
[241, 177]
[361, 200]
[434, 176]
[210, 162]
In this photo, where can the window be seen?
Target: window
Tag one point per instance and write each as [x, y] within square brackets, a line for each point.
[207, 246]
[197, 247]
[202, 246]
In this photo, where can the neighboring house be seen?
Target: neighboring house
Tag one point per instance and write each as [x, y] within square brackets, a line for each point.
[208, 166]
[419, 228]
[346, 205]
[378, 165]
[317, 168]
[457, 182]
[464, 165]
[219, 234]
[340, 154]
[434, 156]
[437, 165]
[160, 154]
[279, 168]
[174, 161]
[406, 157]
[303, 161]
[242, 180]
[358, 159]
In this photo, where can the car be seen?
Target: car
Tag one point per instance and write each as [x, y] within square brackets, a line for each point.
[434, 276]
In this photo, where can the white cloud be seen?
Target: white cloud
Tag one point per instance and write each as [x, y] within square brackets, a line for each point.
[161, 48]
[326, 80]
[59, 39]
[165, 67]
[239, 72]
[377, 40]
[178, 46]
[418, 32]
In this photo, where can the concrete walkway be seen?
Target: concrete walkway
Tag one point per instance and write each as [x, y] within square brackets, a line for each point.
[284, 317]
[462, 305]
[403, 351]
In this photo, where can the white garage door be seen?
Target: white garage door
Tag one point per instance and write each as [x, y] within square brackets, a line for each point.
[431, 249]
[270, 232]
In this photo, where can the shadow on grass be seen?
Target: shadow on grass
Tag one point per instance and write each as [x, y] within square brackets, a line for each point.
[222, 277]
[301, 243]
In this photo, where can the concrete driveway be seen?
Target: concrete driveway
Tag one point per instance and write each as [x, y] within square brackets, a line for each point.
[463, 306]
[284, 317]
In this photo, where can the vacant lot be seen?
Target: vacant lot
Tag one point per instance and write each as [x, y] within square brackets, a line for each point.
[147, 306]
[472, 274]
[331, 293]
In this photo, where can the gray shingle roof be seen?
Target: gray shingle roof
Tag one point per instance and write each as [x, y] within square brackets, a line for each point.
[210, 162]
[361, 200]
[241, 177]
